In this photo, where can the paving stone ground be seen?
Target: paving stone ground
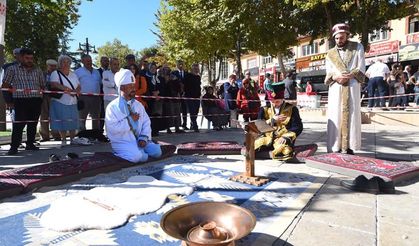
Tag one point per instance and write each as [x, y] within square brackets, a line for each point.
[334, 215]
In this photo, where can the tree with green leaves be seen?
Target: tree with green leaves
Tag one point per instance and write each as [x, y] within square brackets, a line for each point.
[114, 49]
[200, 30]
[38, 25]
[154, 54]
[364, 16]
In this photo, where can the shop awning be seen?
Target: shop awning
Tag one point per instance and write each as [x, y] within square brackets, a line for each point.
[312, 73]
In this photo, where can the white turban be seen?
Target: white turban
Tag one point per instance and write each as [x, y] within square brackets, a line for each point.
[124, 77]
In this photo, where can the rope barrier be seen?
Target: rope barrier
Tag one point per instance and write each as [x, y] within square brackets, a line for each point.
[197, 115]
[184, 98]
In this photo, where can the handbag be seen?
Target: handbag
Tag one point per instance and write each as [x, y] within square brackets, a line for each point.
[80, 103]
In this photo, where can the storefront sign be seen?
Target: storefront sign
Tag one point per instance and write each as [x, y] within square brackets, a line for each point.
[390, 58]
[412, 38]
[409, 52]
[383, 48]
[318, 57]
[312, 63]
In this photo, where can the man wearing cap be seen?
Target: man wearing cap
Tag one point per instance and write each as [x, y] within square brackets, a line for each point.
[127, 123]
[46, 101]
[345, 71]
[285, 118]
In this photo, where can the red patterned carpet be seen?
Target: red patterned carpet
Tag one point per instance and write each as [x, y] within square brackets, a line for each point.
[209, 148]
[354, 166]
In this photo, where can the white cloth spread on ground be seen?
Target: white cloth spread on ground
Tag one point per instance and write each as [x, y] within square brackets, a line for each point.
[110, 206]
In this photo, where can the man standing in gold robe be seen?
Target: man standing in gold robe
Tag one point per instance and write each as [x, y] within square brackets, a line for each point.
[345, 69]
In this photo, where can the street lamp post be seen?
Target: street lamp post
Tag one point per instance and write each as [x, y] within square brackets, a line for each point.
[86, 48]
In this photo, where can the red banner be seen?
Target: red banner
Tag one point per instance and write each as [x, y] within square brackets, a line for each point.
[383, 48]
[412, 38]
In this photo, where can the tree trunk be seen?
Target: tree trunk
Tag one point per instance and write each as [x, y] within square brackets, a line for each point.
[328, 16]
[329, 24]
[365, 32]
[238, 60]
[220, 63]
[281, 63]
[2, 102]
[210, 71]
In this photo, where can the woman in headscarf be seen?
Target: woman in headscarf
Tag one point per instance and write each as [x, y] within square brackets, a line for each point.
[213, 110]
[155, 86]
[248, 101]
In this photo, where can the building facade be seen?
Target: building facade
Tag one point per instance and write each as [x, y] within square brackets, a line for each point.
[399, 44]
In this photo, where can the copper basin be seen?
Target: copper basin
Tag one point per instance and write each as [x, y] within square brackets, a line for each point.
[208, 223]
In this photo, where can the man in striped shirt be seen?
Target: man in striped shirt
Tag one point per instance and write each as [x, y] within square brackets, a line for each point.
[27, 103]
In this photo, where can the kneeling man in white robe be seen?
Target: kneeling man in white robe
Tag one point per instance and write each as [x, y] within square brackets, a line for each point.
[127, 123]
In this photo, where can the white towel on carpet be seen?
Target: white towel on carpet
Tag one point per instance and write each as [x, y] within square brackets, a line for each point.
[110, 206]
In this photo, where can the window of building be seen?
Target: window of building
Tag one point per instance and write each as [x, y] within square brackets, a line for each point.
[310, 49]
[266, 60]
[378, 35]
[224, 70]
[252, 63]
[414, 24]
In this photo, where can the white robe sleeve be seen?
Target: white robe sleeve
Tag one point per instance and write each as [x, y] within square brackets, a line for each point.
[361, 58]
[359, 71]
[116, 121]
[106, 81]
[144, 129]
[330, 72]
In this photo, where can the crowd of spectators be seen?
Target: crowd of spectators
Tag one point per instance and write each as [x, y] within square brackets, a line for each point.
[395, 82]
[168, 95]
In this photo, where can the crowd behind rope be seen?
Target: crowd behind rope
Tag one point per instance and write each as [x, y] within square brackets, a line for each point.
[168, 95]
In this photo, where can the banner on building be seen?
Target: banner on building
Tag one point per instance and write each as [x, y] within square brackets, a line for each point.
[409, 52]
[2, 20]
[383, 48]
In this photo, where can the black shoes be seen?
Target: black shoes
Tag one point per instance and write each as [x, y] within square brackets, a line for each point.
[348, 151]
[374, 185]
[31, 147]
[53, 158]
[179, 131]
[12, 151]
[71, 155]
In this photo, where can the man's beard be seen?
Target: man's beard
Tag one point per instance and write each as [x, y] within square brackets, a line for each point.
[131, 94]
[28, 64]
[340, 45]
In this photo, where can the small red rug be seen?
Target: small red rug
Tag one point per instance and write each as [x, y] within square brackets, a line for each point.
[209, 148]
[354, 166]
[60, 172]
[15, 181]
